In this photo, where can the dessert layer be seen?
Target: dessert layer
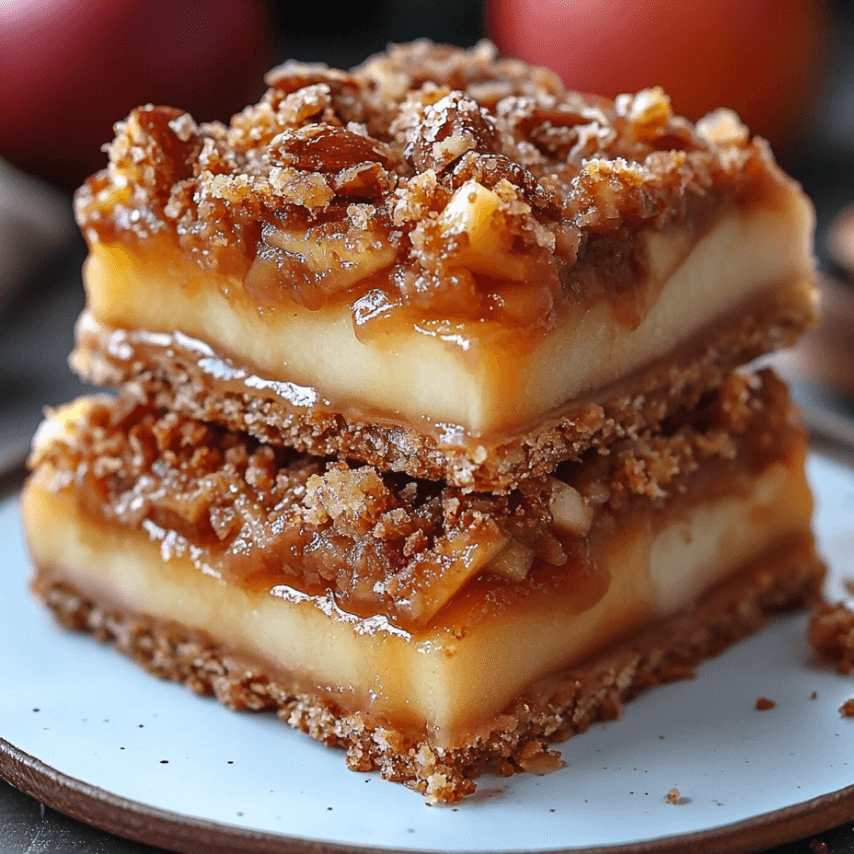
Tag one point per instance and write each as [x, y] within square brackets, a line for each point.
[421, 607]
[384, 544]
[469, 406]
[554, 708]
[177, 373]
[477, 378]
[445, 181]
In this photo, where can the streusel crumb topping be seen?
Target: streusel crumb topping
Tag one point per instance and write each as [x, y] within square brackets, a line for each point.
[429, 177]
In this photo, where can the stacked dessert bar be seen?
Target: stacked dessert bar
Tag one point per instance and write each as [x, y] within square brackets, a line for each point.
[429, 433]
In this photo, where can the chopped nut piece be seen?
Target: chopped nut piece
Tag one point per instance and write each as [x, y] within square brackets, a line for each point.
[513, 561]
[673, 796]
[763, 704]
[319, 148]
[723, 127]
[572, 513]
[292, 76]
[847, 709]
[449, 128]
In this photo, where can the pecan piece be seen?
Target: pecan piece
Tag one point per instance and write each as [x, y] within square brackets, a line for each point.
[292, 76]
[321, 148]
[489, 169]
[556, 128]
[162, 140]
[365, 181]
[450, 128]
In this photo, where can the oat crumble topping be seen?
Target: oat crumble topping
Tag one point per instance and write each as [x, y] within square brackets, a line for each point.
[368, 163]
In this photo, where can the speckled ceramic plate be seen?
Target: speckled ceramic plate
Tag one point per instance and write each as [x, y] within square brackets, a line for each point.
[92, 735]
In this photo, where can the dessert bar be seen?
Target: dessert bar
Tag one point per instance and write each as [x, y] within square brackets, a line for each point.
[427, 630]
[441, 263]
[433, 431]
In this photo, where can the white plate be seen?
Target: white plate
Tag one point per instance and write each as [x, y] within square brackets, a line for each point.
[76, 711]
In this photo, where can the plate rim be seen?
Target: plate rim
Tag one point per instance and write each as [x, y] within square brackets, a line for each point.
[189, 835]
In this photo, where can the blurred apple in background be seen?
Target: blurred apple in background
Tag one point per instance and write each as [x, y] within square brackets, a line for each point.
[69, 69]
[762, 58]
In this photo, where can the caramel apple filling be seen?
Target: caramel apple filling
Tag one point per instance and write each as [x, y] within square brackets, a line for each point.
[446, 246]
[422, 609]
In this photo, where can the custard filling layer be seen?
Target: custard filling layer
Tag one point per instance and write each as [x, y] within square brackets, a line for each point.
[483, 377]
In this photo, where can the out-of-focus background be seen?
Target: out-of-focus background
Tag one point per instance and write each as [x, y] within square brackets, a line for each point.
[70, 68]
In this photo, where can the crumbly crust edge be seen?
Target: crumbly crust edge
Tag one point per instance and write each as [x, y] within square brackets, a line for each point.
[171, 379]
[786, 576]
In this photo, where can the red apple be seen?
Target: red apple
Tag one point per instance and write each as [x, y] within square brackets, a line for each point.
[70, 68]
[761, 58]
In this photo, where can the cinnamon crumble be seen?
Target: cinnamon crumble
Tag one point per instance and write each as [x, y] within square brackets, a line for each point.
[371, 162]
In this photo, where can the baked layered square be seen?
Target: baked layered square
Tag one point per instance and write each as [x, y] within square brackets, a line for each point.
[428, 630]
[440, 263]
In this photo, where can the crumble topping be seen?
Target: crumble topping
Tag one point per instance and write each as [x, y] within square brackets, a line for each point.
[368, 163]
[385, 543]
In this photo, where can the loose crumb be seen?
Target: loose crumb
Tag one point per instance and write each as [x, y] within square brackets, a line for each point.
[818, 846]
[814, 695]
[832, 635]
[847, 709]
[848, 585]
[763, 704]
[673, 796]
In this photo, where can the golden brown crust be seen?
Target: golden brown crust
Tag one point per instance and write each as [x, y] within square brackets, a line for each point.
[553, 710]
[171, 377]
[371, 158]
